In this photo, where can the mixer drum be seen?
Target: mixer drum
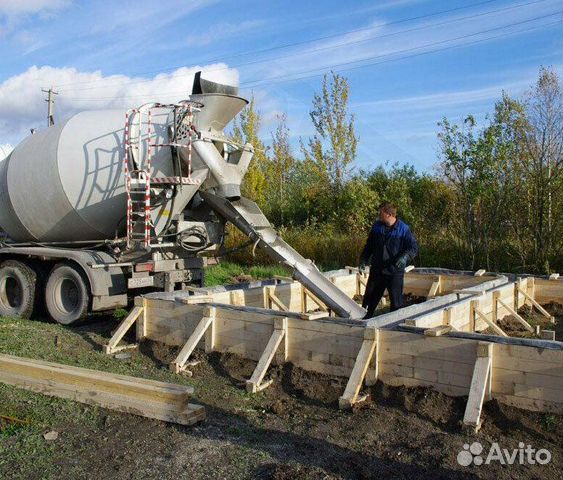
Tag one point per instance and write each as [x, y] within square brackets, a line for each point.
[66, 183]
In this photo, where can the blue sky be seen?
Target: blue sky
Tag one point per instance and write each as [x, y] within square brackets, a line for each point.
[409, 62]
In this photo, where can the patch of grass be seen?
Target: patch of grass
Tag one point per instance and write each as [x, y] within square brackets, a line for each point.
[226, 273]
[77, 346]
[120, 314]
[549, 422]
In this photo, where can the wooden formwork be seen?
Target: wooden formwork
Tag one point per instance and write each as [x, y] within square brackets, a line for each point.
[435, 343]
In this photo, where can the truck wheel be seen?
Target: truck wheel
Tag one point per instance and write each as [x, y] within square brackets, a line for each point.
[67, 295]
[18, 284]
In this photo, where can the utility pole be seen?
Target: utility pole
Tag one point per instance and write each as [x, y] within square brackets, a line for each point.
[50, 104]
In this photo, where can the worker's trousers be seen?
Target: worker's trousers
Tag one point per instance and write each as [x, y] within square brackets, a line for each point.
[377, 284]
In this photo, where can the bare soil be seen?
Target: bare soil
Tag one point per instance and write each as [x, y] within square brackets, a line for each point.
[513, 328]
[292, 430]
[295, 430]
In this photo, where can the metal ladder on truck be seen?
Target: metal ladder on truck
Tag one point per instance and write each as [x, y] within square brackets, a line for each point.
[138, 177]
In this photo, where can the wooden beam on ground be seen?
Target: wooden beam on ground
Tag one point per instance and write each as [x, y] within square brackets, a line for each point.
[147, 398]
[254, 384]
[515, 314]
[494, 326]
[124, 326]
[542, 310]
[480, 385]
[179, 364]
[361, 365]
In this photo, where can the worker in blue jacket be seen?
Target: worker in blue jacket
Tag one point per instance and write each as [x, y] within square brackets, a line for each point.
[390, 247]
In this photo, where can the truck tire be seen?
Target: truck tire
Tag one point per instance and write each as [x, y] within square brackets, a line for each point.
[18, 286]
[67, 294]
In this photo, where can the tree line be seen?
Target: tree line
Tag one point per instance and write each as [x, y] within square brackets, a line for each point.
[494, 199]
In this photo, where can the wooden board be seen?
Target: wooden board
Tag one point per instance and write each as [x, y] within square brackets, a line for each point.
[148, 398]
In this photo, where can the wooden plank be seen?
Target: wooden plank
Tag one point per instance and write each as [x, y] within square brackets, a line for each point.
[160, 400]
[542, 310]
[124, 326]
[273, 299]
[179, 363]
[254, 384]
[515, 314]
[494, 326]
[529, 366]
[438, 331]
[480, 385]
[434, 288]
[530, 403]
[369, 345]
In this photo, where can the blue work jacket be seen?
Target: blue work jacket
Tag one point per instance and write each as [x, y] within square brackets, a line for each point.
[386, 245]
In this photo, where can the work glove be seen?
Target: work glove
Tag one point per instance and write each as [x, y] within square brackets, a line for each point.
[362, 266]
[401, 263]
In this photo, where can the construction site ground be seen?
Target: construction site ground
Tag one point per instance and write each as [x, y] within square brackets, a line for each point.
[291, 430]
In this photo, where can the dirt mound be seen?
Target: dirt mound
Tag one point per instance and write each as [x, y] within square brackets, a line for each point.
[160, 353]
[425, 402]
[311, 386]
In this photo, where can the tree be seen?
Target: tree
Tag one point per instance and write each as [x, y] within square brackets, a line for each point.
[280, 168]
[543, 145]
[246, 130]
[330, 152]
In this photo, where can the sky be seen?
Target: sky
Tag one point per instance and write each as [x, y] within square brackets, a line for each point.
[409, 63]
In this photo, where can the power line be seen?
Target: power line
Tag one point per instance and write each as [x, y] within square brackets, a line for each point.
[347, 32]
[261, 81]
[346, 65]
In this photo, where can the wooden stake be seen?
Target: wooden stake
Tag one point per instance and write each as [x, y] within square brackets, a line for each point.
[480, 385]
[124, 326]
[272, 299]
[361, 365]
[494, 326]
[542, 310]
[515, 314]
[434, 288]
[280, 332]
[179, 363]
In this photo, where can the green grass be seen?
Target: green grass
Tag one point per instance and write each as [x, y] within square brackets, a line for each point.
[226, 272]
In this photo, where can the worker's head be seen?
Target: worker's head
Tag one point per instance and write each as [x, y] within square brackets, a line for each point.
[388, 213]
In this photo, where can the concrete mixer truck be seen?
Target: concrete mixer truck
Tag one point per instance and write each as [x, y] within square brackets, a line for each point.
[109, 204]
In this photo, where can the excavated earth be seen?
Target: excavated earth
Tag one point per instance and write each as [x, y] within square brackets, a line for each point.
[293, 430]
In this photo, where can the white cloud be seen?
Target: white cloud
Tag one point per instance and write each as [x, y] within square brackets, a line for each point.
[440, 100]
[21, 7]
[380, 40]
[220, 31]
[22, 104]
[5, 150]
